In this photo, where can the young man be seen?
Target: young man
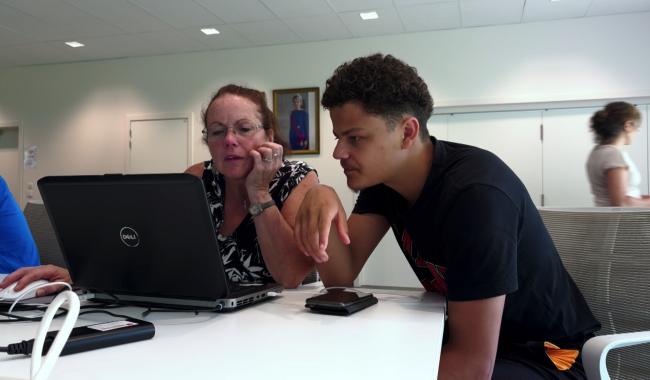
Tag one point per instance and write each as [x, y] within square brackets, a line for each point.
[463, 219]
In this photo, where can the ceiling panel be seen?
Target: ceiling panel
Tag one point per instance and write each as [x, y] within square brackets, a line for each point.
[115, 47]
[228, 38]
[359, 5]
[538, 10]
[32, 31]
[319, 28]
[387, 23]
[493, 12]
[273, 32]
[123, 14]
[179, 13]
[28, 25]
[606, 7]
[238, 11]
[9, 37]
[174, 41]
[295, 9]
[73, 22]
[430, 16]
[41, 52]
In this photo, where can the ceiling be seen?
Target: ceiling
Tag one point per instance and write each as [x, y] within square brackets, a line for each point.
[34, 31]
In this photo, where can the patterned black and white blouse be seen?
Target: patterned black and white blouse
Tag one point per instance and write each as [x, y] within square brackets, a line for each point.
[240, 251]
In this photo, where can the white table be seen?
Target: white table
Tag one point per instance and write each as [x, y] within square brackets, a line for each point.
[399, 338]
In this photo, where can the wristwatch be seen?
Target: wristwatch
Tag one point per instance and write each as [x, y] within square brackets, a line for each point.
[257, 208]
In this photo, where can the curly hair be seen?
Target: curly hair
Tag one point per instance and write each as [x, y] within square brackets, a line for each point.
[608, 123]
[384, 86]
[269, 121]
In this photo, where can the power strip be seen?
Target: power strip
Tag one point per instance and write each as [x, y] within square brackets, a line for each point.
[92, 337]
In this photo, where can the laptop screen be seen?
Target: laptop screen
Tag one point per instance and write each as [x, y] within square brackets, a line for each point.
[148, 235]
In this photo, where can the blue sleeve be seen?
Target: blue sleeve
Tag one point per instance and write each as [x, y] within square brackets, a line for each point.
[17, 247]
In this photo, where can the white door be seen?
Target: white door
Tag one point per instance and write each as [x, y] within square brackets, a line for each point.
[567, 143]
[513, 136]
[10, 159]
[159, 146]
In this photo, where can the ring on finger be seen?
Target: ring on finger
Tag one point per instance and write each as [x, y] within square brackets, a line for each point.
[267, 159]
[276, 155]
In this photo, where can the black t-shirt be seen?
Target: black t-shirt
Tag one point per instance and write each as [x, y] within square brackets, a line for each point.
[474, 233]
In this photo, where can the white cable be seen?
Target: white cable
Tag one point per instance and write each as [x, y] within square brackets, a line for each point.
[42, 371]
[31, 287]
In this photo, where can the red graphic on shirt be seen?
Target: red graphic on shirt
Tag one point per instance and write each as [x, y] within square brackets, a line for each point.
[435, 283]
[407, 244]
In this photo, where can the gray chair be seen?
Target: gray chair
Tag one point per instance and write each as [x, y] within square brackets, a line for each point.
[43, 234]
[607, 252]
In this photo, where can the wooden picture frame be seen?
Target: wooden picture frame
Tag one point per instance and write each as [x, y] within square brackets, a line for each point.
[297, 111]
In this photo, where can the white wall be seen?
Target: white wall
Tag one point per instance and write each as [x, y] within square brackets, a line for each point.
[76, 113]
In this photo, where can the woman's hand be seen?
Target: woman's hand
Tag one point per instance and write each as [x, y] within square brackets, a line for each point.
[267, 159]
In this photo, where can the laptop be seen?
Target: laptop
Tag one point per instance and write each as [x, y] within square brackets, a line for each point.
[143, 239]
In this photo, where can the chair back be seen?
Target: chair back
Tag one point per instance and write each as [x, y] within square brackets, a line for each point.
[43, 234]
[607, 253]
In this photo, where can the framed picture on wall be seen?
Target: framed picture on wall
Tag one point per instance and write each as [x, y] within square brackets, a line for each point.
[297, 111]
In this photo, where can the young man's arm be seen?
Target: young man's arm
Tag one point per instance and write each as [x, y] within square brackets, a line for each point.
[346, 261]
[473, 336]
[340, 247]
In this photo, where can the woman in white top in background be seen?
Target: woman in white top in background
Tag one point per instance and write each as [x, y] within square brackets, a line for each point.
[613, 175]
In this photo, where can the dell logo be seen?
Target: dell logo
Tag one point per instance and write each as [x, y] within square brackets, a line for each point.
[129, 237]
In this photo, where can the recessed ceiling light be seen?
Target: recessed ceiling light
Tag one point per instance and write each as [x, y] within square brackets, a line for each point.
[209, 31]
[74, 44]
[369, 15]
[554, 1]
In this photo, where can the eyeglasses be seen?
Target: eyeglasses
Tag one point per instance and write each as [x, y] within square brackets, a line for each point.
[219, 132]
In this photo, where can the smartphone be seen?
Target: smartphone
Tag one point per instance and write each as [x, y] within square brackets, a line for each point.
[340, 302]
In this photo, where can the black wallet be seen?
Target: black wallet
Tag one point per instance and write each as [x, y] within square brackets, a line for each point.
[340, 302]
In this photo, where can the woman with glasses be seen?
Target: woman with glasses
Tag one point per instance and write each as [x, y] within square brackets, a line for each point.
[613, 175]
[253, 192]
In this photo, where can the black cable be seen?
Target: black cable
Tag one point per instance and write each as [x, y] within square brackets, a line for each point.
[103, 306]
[149, 309]
[105, 312]
[24, 347]
[60, 313]
[19, 318]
